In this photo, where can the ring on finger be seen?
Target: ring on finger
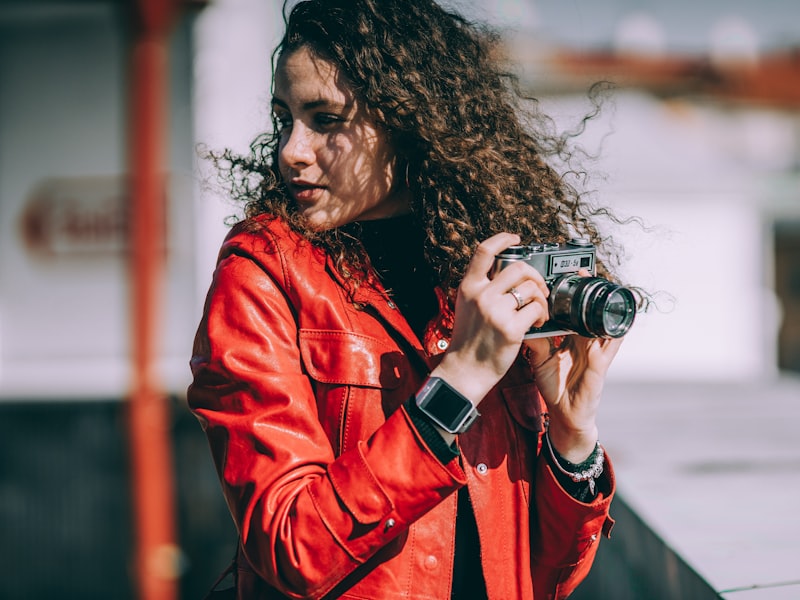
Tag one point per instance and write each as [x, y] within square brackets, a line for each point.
[517, 296]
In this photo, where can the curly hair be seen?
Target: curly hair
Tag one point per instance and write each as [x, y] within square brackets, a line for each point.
[477, 153]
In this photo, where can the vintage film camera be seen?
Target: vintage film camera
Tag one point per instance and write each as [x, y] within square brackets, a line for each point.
[589, 306]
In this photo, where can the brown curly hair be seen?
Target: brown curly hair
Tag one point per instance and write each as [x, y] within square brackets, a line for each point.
[476, 152]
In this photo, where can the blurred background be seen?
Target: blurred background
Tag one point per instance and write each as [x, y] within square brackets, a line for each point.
[105, 107]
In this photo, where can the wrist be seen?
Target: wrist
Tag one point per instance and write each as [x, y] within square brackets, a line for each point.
[446, 408]
[439, 441]
[573, 443]
[469, 384]
[579, 480]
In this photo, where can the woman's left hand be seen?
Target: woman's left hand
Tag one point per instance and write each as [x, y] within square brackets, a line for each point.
[570, 380]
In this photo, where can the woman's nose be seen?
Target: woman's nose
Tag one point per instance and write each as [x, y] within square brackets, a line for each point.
[298, 150]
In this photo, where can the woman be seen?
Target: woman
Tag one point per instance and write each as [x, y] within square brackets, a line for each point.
[380, 426]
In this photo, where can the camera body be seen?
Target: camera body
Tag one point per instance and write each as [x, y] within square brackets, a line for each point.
[589, 306]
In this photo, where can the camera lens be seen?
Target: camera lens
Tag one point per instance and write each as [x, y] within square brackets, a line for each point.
[617, 312]
[592, 306]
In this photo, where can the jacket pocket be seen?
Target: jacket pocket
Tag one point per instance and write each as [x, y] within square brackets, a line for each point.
[346, 358]
[356, 380]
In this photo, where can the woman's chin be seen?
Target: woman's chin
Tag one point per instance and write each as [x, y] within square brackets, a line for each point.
[320, 220]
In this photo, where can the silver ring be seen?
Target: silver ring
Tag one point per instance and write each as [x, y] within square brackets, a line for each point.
[517, 296]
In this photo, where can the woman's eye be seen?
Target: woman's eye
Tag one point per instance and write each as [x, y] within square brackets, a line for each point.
[327, 120]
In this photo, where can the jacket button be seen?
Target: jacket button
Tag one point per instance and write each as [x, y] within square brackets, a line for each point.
[389, 524]
[442, 344]
[431, 562]
[391, 305]
[482, 468]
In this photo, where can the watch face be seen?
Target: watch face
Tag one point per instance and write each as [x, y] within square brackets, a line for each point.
[445, 406]
[450, 407]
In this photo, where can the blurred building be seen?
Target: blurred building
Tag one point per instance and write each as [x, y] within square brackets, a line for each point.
[66, 508]
[699, 140]
[704, 151]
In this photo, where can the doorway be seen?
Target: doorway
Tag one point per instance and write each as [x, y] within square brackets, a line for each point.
[787, 288]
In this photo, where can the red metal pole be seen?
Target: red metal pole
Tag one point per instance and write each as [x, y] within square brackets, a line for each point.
[151, 454]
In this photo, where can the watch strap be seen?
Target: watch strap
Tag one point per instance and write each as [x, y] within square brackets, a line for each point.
[441, 449]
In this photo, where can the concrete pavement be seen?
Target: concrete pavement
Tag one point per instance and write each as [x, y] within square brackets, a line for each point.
[714, 470]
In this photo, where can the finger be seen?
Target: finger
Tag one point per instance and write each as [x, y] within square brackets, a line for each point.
[608, 348]
[527, 290]
[518, 275]
[483, 259]
[594, 353]
[519, 299]
[536, 311]
[531, 313]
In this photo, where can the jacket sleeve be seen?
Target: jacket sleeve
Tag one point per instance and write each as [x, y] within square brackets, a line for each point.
[567, 532]
[307, 518]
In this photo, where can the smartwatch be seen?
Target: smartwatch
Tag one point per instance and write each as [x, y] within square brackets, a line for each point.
[445, 406]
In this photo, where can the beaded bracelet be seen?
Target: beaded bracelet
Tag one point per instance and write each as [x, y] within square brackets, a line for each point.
[589, 475]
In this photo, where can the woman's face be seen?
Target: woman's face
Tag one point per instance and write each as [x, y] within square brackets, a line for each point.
[337, 165]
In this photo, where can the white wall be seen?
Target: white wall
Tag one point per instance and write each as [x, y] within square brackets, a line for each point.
[233, 73]
[64, 301]
[700, 178]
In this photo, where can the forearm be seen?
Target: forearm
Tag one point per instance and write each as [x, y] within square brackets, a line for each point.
[308, 519]
[567, 531]
[578, 480]
[574, 443]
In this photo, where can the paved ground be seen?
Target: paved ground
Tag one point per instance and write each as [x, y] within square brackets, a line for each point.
[714, 469]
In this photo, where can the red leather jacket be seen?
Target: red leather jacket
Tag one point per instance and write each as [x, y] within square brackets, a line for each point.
[300, 388]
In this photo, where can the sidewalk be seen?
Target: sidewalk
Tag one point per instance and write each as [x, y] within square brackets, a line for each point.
[714, 471]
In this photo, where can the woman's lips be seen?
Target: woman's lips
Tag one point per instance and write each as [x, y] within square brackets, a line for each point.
[306, 192]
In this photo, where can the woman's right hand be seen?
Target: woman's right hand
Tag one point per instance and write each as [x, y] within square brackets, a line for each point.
[489, 325]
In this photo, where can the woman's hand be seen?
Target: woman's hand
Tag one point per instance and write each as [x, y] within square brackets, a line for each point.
[570, 380]
[491, 320]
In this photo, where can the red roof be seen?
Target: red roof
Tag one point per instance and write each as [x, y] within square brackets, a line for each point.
[771, 80]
